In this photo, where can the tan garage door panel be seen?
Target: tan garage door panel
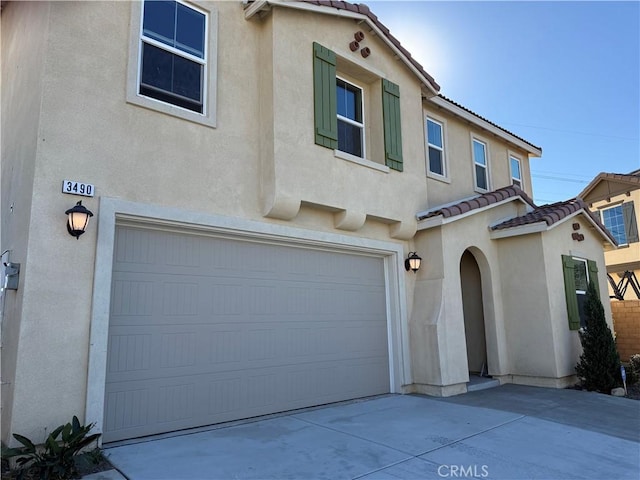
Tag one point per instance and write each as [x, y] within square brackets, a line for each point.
[206, 329]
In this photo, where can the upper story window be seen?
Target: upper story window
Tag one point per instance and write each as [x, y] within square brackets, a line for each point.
[435, 147]
[339, 112]
[481, 169]
[350, 118]
[621, 221]
[516, 171]
[172, 65]
[173, 54]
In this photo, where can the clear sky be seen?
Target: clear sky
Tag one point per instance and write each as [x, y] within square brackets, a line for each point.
[563, 75]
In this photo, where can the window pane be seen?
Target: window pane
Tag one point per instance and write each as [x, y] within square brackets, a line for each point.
[171, 78]
[187, 78]
[434, 133]
[481, 177]
[349, 101]
[159, 21]
[583, 317]
[515, 168]
[349, 138]
[157, 67]
[435, 161]
[479, 155]
[190, 31]
[580, 274]
[614, 221]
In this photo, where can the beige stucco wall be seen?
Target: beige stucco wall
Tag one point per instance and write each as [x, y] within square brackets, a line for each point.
[526, 306]
[558, 241]
[438, 343]
[23, 58]
[299, 164]
[526, 325]
[535, 304]
[458, 152]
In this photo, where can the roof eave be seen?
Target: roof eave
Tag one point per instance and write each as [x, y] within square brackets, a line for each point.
[438, 220]
[605, 177]
[443, 103]
[542, 226]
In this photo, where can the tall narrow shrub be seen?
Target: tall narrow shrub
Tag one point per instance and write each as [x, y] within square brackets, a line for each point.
[599, 365]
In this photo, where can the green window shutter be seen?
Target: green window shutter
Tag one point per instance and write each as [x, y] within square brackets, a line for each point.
[392, 127]
[570, 292]
[593, 275]
[324, 93]
[630, 222]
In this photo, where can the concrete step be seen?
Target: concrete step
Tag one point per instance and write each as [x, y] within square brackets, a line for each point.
[481, 383]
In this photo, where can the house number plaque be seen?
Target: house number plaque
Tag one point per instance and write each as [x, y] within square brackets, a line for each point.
[78, 188]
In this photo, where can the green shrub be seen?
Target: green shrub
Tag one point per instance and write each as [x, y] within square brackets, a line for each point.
[632, 374]
[599, 366]
[54, 459]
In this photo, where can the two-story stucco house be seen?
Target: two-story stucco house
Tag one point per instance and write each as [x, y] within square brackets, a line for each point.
[258, 174]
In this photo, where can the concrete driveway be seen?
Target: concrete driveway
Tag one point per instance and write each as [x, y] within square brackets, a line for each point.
[509, 432]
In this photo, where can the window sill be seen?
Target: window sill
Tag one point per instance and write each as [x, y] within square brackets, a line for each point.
[440, 178]
[168, 109]
[360, 161]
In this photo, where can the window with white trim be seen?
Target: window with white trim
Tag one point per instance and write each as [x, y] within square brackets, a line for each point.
[172, 65]
[481, 169]
[339, 114]
[350, 118]
[516, 170]
[435, 148]
[578, 272]
[622, 222]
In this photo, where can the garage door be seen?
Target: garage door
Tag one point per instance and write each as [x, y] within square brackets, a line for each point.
[206, 329]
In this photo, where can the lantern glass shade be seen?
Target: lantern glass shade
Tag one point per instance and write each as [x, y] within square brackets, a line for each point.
[413, 262]
[78, 219]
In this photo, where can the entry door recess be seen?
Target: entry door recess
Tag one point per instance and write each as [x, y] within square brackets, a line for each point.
[206, 329]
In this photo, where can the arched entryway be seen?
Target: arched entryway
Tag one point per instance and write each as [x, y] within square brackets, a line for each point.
[473, 308]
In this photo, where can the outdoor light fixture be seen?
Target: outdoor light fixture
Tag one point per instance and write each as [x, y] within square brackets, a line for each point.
[78, 220]
[412, 262]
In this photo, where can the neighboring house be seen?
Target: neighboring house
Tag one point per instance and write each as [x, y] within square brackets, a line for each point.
[260, 172]
[615, 198]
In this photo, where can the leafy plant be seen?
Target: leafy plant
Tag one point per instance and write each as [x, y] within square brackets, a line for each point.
[633, 369]
[55, 458]
[599, 366]
[634, 361]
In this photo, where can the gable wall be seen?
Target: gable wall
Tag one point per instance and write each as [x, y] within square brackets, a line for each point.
[557, 242]
[306, 172]
[626, 257]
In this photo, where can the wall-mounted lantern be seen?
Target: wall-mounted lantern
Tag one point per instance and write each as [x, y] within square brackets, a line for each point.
[78, 220]
[412, 262]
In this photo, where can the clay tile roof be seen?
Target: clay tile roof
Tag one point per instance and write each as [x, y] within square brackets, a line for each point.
[553, 213]
[488, 121]
[478, 202]
[364, 10]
